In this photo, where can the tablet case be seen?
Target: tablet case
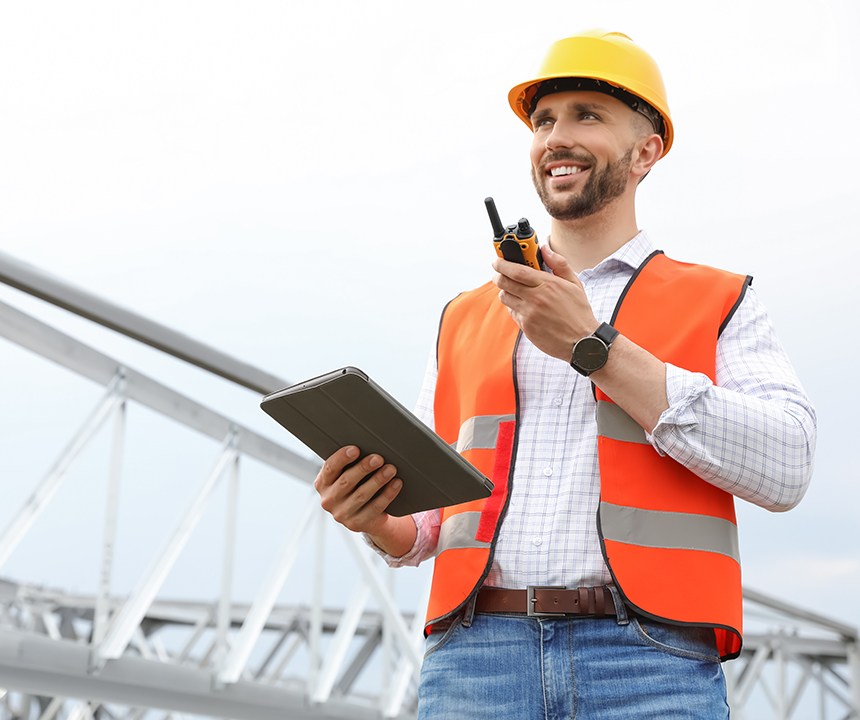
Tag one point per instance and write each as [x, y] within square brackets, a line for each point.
[345, 407]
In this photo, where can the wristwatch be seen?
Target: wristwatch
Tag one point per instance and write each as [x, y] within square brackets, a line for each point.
[591, 353]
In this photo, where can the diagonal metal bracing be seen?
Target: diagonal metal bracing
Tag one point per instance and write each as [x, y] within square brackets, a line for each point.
[750, 674]
[247, 637]
[48, 487]
[790, 659]
[120, 658]
[343, 636]
[815, 672]
[392, 614]
[359, 661]
[44, 340]
[133, 611]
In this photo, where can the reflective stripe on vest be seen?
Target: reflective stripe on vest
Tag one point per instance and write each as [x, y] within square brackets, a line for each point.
[614, 423]
[669, 530]
[458, 532]
[480, 432]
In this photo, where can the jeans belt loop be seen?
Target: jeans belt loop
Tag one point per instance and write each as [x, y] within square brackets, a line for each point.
[620, 607]
[469, 610]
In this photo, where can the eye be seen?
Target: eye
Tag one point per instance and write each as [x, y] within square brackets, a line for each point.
[589, 116]
[542, 122]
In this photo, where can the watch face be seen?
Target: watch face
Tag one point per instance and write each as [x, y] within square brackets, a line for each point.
[590, 354]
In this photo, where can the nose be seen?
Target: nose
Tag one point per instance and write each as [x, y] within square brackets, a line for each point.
[561, 136]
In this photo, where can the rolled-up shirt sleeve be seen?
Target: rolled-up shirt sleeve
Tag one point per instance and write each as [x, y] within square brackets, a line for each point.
[753, 432]
[427, 523]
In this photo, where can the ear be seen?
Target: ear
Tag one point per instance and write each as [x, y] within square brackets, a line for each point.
[649, 149]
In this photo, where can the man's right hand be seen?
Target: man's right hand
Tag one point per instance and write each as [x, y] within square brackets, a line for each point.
[361, 506]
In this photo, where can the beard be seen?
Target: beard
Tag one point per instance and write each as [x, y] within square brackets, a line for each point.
[601, 188]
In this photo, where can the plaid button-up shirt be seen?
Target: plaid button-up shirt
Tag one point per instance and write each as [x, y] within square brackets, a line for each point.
[751, 434]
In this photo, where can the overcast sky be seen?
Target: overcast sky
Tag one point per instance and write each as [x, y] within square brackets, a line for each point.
[301, 185]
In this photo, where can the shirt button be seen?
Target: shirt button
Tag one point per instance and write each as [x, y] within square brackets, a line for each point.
[537, 541]
[558, 401]
[547, 471]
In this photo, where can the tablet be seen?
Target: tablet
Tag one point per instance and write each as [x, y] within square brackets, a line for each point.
[345, 407]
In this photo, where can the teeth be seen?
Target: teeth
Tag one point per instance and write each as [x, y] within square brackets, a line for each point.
[570, 170]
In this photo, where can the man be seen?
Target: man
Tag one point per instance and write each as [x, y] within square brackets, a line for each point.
[619, 402]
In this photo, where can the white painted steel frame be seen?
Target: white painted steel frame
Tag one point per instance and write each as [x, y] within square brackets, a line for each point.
[37, 665]
[51, 483]
[261, 608]
[112, 636]
[50, 343]
[37, 676]
[133, 611]
[800, 650]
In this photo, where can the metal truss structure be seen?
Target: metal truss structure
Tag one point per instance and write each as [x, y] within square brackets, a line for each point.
[794, 664]
[83, 656]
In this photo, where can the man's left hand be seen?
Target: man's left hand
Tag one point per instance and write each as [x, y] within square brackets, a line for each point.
[551, 309]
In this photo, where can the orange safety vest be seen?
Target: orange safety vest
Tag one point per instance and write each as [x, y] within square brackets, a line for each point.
[669, 538]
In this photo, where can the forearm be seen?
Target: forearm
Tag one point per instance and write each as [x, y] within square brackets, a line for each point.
[397, 536]
[635, 380]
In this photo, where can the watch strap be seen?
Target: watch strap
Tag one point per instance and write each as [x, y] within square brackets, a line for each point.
[606, 332]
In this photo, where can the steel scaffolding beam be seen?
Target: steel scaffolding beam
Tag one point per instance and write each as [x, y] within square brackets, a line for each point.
[38, 665]
[55, 290]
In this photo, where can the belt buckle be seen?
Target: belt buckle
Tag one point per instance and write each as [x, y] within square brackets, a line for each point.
[531, 600]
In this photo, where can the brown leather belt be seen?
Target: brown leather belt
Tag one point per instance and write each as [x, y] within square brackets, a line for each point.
[546, 601]
[538, 601]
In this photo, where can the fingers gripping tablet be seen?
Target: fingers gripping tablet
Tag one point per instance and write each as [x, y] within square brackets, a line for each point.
[345, 407]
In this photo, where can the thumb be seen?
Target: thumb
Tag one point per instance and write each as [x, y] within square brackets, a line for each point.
[557, 263]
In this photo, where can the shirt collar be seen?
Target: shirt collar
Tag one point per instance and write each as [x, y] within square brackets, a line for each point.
[630, 255]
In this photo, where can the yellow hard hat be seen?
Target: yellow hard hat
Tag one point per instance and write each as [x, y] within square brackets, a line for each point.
[608, 62]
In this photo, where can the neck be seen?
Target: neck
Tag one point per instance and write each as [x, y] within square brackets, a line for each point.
[587, 241]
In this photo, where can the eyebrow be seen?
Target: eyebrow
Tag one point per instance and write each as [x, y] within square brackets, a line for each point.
[585, 107]
[578, 106]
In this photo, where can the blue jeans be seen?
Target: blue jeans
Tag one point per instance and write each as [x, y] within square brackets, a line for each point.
[522, 668]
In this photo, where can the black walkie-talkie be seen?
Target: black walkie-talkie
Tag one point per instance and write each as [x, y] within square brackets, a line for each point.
[515, 243]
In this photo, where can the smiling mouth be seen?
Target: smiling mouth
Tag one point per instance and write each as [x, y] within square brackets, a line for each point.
[565, 170]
